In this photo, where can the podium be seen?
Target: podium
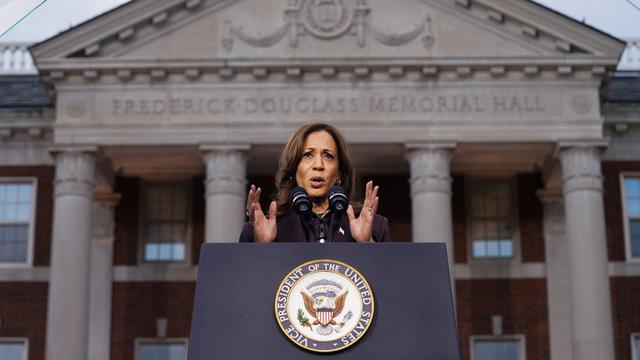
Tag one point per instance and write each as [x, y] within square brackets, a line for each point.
[234, 317]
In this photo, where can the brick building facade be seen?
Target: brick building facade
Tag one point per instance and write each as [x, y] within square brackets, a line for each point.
[497, 127]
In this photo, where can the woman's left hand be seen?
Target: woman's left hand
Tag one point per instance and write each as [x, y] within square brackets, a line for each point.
[362, 226]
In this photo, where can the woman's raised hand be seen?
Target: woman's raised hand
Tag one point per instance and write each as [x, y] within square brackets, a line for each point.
[264, 228]
[362, 226]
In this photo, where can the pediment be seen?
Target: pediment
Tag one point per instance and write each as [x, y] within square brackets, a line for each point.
[357, 31]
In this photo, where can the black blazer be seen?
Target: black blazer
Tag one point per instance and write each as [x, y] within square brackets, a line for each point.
[292, 229]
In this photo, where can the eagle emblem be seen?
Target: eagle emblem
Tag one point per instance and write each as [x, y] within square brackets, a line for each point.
[324, 300]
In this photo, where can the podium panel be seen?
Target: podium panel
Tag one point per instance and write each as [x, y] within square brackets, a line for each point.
[234, 317]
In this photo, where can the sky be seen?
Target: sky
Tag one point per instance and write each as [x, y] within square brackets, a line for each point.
[620, 18]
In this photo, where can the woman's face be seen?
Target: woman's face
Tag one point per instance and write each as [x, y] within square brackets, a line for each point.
[318, 167]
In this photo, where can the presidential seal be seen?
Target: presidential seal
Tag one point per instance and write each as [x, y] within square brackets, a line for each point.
[324, 306]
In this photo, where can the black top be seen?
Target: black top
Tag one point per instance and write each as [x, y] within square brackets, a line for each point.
[291, 228]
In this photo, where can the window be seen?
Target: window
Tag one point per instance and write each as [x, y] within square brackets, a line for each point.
[491, 219]
[165, 222]
[497, 348]
[161, 349]
[13, 349]
[632, 215]
[16, 219]
[635, 347]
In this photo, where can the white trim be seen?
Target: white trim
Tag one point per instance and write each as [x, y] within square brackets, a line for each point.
[32, 221]
[25, 341]
[500, 270]
[521, 339]
[624, 268]
[155, 273]
[486, 270]
[24, 274]
[625, 216]
[141, 341]
[634, 355]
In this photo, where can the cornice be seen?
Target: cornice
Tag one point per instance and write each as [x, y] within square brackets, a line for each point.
[120, 26]
[569, 35]
[327, 70]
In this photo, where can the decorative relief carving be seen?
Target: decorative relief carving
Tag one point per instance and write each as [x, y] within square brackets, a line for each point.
[581, 169]
[75, 109]
[226, 172]
[430, 170]
[325, 20]
[75, 173]
[581, 104]
[393, 38]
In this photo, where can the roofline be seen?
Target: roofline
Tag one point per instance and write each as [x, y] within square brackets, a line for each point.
[64, 32]
[602, 32]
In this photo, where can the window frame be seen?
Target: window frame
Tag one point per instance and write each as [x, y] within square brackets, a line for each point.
[634, 336]
[142, 223]
[25, 341]
[625, 216]
[32, 221]
[520, 338]
[515, 233]
[141, 341]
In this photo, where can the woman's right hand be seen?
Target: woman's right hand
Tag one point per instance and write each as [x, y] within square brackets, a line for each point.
[264, 228]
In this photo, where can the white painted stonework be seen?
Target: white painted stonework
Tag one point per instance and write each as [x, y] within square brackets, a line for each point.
[175, 88]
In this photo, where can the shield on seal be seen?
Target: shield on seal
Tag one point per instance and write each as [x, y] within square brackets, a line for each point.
[324, 316]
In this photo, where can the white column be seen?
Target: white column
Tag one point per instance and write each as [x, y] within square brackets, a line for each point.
[431, 197]
[588, 262]
[68, 306]
[225, 192]
[557, 271]
[100, 289]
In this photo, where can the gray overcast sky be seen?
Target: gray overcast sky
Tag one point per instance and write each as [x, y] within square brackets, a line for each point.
[616, 17]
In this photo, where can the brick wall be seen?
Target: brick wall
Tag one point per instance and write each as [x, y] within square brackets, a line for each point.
[127, 217]
[136, 306]
[44, 207]
[530, 218]
[613, 211]
[625, 298]
[198, 207]
[394, 204]
[125, 247]
[522, 303]
[459, 219]
[624, 290]
[23, 311]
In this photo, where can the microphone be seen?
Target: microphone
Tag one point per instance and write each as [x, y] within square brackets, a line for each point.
[338, 200]
[301, 204]
[338, 204]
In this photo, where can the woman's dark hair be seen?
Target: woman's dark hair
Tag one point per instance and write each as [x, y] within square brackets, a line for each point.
[292, 154]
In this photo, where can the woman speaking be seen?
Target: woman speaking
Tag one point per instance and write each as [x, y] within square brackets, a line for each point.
[313, 182]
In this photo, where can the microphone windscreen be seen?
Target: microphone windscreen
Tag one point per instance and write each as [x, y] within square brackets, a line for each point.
[300, 201]
[338, 200]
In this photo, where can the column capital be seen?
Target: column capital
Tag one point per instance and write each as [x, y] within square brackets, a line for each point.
[430, 167]
[226, 169]
[581, 168]
[75, 173]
